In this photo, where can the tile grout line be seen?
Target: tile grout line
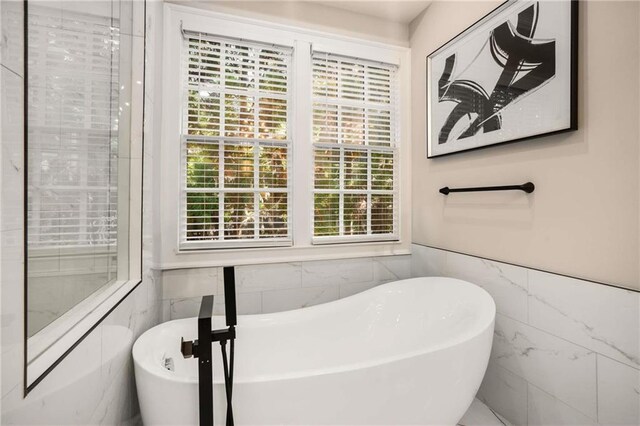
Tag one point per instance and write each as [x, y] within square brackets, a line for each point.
[11, 71]
[594, 351]
[561, 401]
[528, 321]
[496, 416]
[538, 387]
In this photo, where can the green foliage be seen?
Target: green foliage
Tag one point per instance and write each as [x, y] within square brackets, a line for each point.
[252, 182]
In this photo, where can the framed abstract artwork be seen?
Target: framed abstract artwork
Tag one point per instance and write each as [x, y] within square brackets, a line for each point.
[511, 76]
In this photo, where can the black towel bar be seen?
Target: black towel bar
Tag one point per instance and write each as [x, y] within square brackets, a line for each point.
[526, 187]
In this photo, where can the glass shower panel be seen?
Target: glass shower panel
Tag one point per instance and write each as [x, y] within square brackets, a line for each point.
[79, 94]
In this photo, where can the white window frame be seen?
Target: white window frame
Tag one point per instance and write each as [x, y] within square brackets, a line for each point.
[392, 148]
[221, 241]
[303, 41]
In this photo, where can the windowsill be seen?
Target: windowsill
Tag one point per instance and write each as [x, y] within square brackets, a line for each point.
[48, 346]
[263, 255]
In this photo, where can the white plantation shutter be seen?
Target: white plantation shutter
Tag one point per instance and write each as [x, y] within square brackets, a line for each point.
[355, 139]
[73, 129]
[235, 143]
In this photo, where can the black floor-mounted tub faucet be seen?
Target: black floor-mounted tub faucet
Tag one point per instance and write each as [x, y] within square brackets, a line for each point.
[201, 349]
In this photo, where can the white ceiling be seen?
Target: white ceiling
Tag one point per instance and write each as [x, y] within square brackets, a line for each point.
[403, 11]
[400, 11]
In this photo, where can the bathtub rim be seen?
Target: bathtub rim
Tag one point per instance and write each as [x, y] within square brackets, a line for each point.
[473, 333]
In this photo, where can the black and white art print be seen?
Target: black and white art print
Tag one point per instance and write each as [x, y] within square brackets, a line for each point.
[510, 76]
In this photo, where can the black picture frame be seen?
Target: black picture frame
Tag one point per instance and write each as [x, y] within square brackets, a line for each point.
[572, 86]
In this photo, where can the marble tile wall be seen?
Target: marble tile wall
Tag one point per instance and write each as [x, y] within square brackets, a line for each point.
[565, 351]
[97, 376]
[11, 197]
[279, 286]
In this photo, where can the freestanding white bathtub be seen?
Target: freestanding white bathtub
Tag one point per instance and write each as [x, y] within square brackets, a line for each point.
[411, 352]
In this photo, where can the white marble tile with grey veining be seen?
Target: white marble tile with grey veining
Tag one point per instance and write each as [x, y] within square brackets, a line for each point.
[11, 309]
[274, 276]
[117, 343]
[335, 272]
[166, 310]
[561, 368]
[507, 284]
[506, 393]
[190, 282]
[74, 379]
[154, 291]
[11, 36]
[618, 393]
[296, 298]
[12, 162]
[391, 268]
[145, 311]
[121, 328]
[12, 211]
[184, 308]
[427, 261]
[602, 318]
[118, 403]
[545, 410]
[246, 304]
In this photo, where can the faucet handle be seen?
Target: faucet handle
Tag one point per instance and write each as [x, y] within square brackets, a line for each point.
[189, 348]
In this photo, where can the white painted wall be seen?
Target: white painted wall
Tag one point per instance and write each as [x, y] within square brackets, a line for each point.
[582, 220]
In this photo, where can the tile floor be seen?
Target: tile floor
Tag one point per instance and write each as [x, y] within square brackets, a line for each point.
[481, 415]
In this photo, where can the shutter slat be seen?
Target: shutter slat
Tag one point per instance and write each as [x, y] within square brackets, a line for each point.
[355, 148]
[235, 145]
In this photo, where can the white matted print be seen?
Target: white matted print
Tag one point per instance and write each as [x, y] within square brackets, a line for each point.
[510, 76]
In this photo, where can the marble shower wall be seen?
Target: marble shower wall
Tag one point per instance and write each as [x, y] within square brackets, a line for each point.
[565, 351]
[279, 286]
[97, 376]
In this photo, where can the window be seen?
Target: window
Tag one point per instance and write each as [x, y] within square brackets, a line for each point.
[235, 142]
[279, 143]
[355, 149]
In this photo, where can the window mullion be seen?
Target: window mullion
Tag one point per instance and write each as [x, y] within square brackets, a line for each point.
[302, 195]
